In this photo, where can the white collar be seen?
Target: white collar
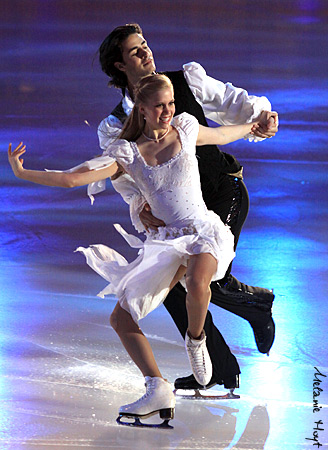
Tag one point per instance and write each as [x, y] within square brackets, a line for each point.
[127, 103]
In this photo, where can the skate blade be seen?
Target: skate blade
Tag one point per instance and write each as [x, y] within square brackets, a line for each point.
[137, 423]
[165, 414]
[196, 395]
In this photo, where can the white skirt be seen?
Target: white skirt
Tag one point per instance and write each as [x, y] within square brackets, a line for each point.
[143, 284]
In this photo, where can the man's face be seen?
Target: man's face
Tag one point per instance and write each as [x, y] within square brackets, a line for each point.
[137, 58]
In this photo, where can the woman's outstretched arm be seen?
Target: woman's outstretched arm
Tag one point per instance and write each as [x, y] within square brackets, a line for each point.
[57, 179]
[224, 134]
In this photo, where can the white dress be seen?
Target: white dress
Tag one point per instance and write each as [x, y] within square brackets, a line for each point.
[173, 192]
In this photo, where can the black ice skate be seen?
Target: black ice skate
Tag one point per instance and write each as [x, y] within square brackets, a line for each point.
[159, 398]
[188, 384]
[260, 299]
[264, 336]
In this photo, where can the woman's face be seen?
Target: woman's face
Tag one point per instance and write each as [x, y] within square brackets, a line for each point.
[159, 109]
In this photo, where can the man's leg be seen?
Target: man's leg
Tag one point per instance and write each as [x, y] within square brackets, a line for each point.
[245, 302]
[251, 303]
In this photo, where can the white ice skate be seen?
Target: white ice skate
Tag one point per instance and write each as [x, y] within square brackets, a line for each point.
[199, 358]
[159, 398]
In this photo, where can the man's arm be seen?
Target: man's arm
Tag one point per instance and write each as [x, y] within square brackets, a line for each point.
[226, 104]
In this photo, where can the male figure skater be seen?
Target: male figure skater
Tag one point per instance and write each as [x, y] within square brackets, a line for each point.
[126, 57]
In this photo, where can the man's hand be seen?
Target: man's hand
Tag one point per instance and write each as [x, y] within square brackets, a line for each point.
[268, 124]
[148, 220]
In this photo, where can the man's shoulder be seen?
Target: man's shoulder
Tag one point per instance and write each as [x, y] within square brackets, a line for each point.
[173, 73]
[177, 77]
[119, 112]
[189, 66]
[189, 73]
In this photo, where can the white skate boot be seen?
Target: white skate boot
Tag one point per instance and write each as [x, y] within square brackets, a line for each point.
[199, 358]
[159, 398]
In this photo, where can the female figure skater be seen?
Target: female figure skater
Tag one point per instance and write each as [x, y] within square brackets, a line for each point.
[158, 152]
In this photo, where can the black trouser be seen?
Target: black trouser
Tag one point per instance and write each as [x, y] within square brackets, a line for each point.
[232, 206]
[231, 202]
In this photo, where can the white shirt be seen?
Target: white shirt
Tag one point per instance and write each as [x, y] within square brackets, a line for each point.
[222, 103]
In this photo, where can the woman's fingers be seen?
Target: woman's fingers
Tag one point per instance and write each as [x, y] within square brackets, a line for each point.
[19, 150]
[21, 147]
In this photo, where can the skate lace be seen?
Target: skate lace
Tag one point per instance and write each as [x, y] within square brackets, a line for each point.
[198, 357]
[149, 386]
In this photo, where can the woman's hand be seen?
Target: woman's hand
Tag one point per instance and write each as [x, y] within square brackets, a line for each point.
[14, 159]
[255, 128]
[148, 220]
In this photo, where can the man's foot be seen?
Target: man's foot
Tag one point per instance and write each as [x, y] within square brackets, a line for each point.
[257, 308]
[189, 383]
[264, 336]
[199, 358]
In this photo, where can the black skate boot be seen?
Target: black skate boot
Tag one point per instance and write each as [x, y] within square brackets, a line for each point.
[264, 336]
[190, 384]
[260, 299]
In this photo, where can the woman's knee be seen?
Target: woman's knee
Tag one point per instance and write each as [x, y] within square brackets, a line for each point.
[113, 320]
[116, 320]
[197, 286]
[122, 322]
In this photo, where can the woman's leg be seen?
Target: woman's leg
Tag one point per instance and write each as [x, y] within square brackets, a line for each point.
[200, 270]
[225, 365]
[133, 339]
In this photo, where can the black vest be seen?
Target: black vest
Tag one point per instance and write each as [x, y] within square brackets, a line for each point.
[212, 162]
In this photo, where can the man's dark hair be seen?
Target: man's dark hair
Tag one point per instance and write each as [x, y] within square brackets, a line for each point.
[110, 52]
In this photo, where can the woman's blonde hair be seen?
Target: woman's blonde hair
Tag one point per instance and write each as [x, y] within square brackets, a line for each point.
[144, 89]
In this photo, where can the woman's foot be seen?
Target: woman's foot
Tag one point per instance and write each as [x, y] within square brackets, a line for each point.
[199, 358]
[159, 398]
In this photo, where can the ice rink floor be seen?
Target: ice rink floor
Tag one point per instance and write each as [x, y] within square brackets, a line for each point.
[63, 371]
